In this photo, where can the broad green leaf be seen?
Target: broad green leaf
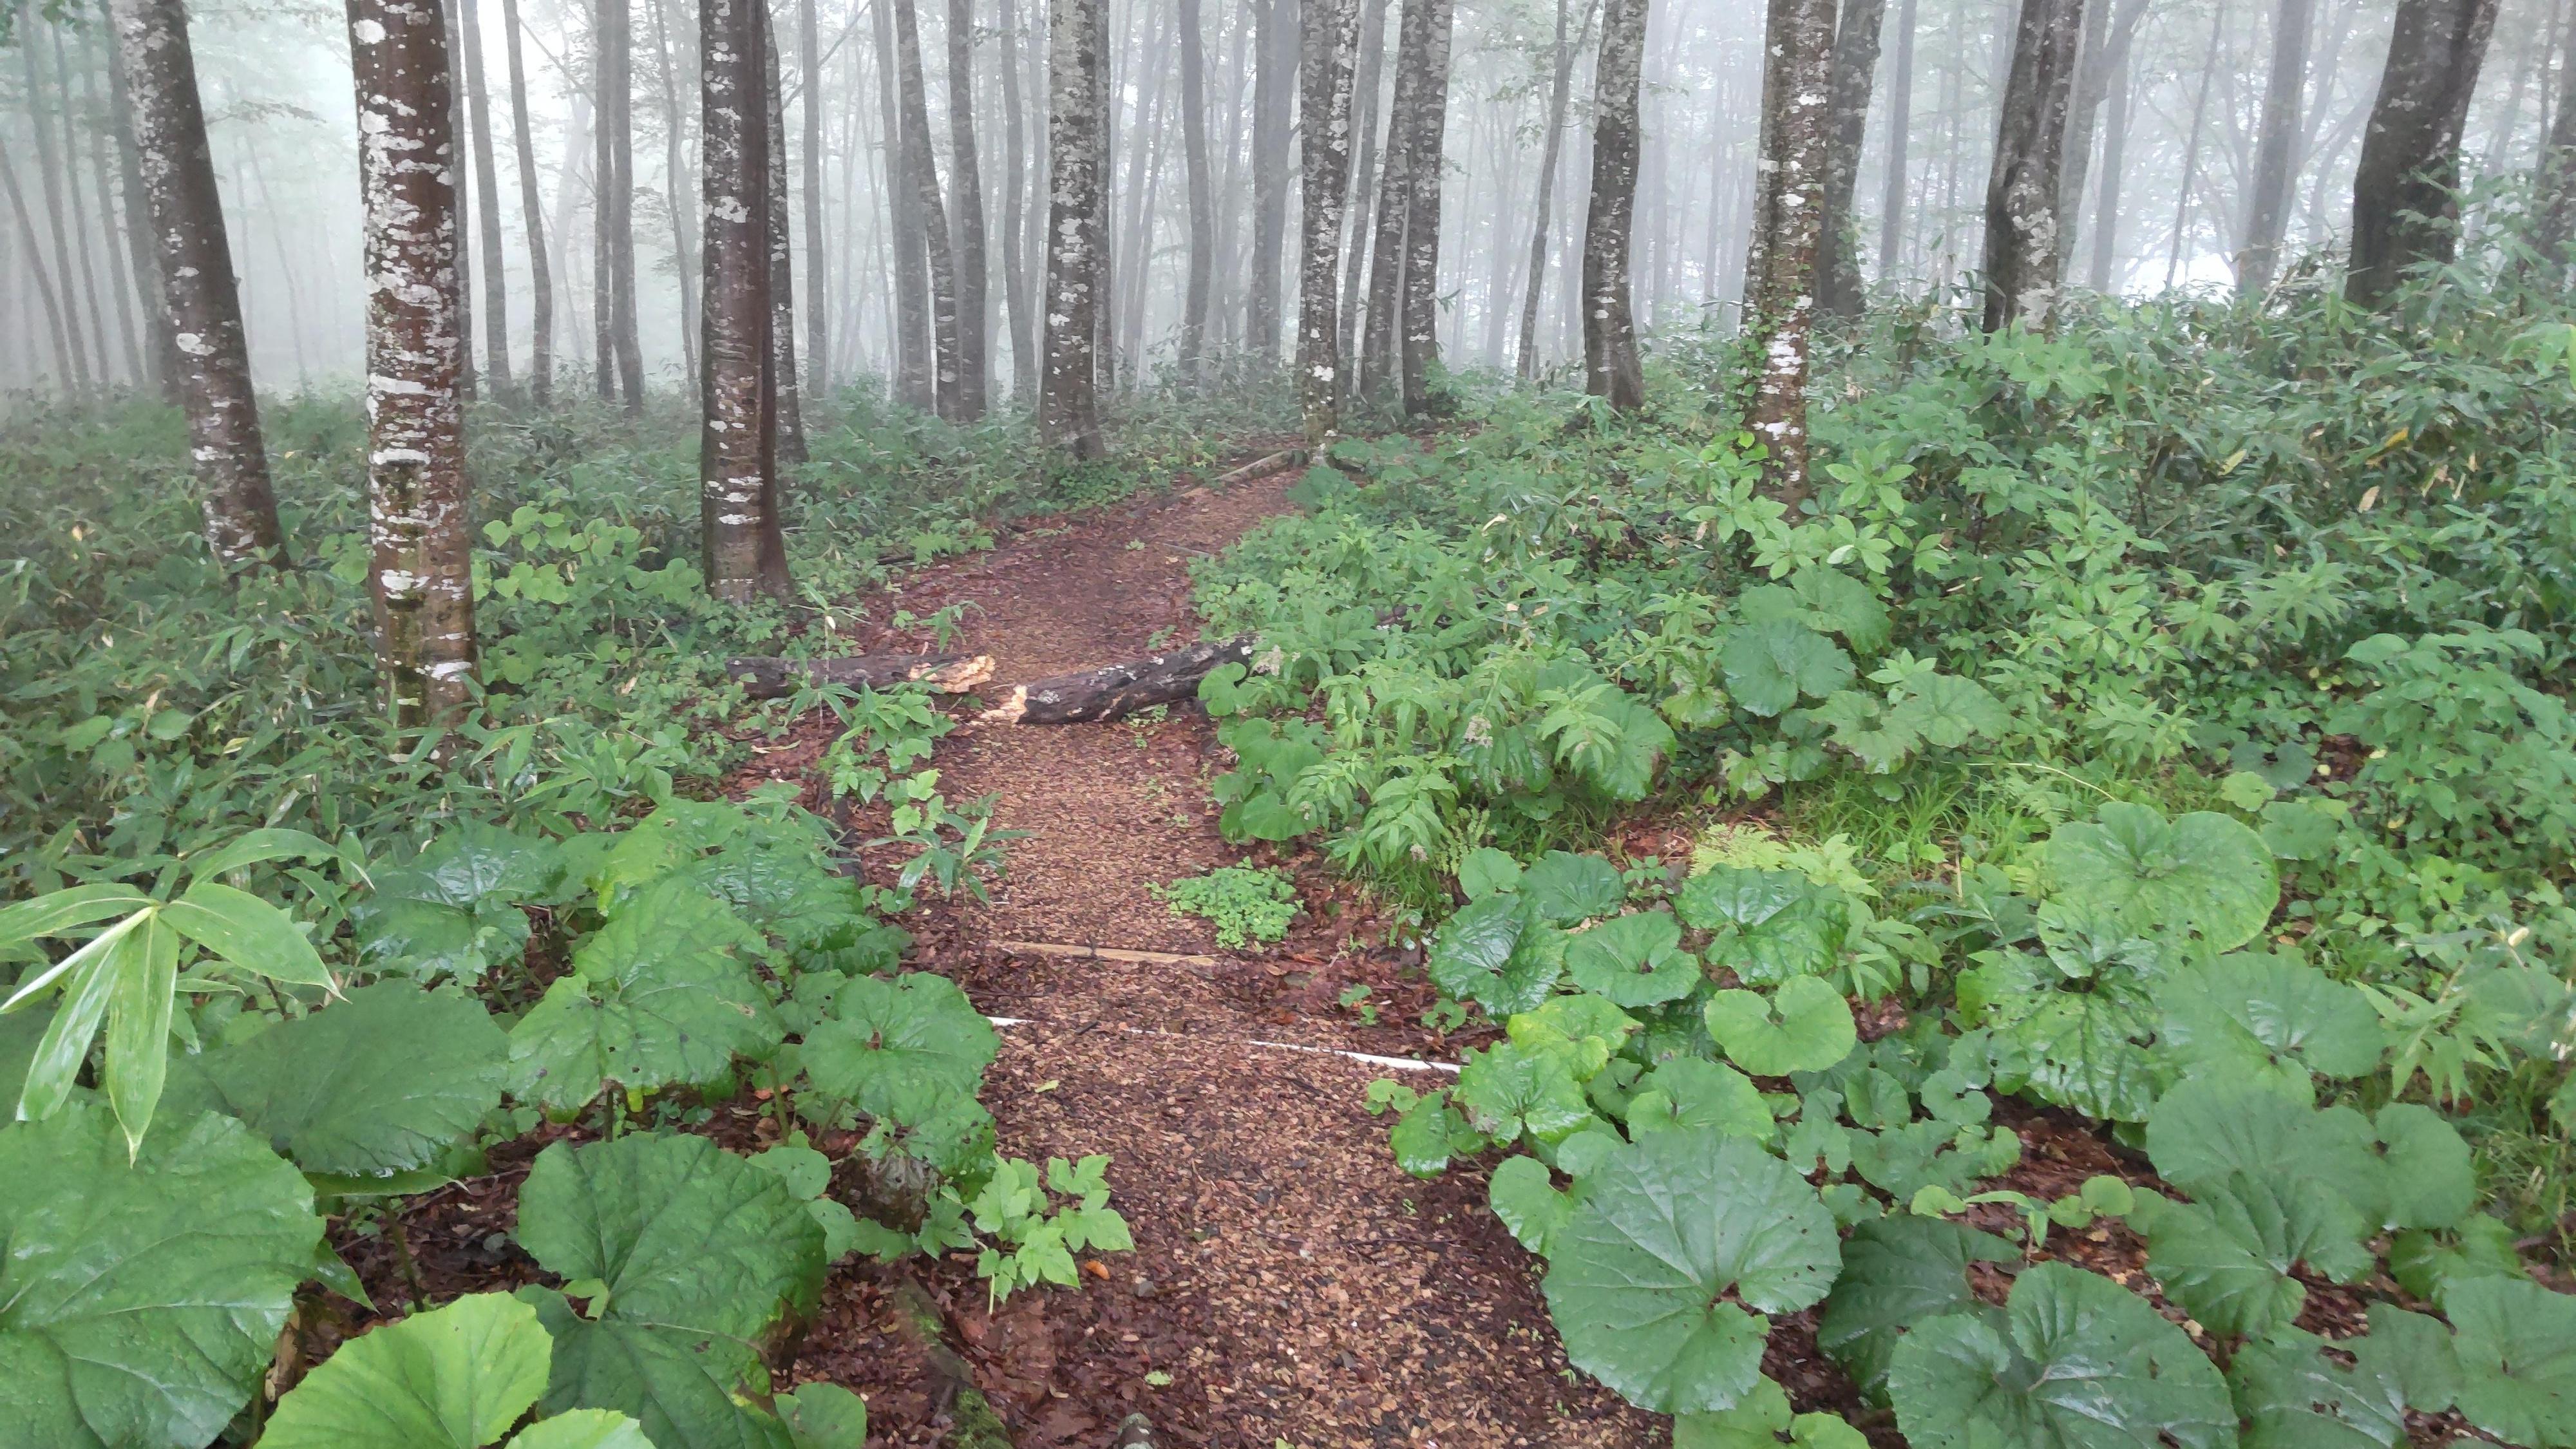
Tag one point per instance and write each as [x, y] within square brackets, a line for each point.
[2204, 875]
[55, 912]
[1509, 1089]
[1769, 665]
[137, 1058]
[2429, 1264]
[1758, 1423]
[1565, 888]
[1837, 603]
[1899, 1272]
[1690, 1094]
[825, 1416]
[1633, 960]
[2077, 1362]
[2517, 1351]
[1948, 711]
[2268, 1019]
[1582, 1028]
[2075, 1046]
[2429, 1177]
[584, 1429]
[89, 983]
[895, 1048]
[1669, 1226]
[2204, 1131]
[657, 996]
[2292, 1396]
[247, 932]
[2227, 1259]
[1524, 1195]
[1487, 870]
[375, 1085]
[258, 847]
[1769, 925]
[1805, 1026]
[1423, 1138]
[140, 1301]
[682, 1387]
[1492, 952]
[432, 938]
[453, 1378]
[2299, 830]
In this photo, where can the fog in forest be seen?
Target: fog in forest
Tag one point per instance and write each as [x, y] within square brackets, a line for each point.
[2168, 109]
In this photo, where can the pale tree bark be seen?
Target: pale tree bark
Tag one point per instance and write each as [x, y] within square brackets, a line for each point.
[620, 353]
[168, 365]
[916, 381]
[49, 181]
[1069, 402]
[2025, 232]
[1015, 182]
[1780, 268]
[966, 188]
[88, 290]
[1104, 353]
[1324, 78]
[2276, 160]
[1194, 147]
[1357, 220]
[1274, 82]
[541, 361]
[458, 132]
[786, 401]
[176, 176]
[1611, 368]
[2111, 29]
[1380, 368]
[677, 203]
[37, 273]
[922, 172]
[744, 551]
[2106, 202]
[487, 204]
[2191, 143]
[1838, 284]
[120, 285]
[2405, 210]
[418, 504]
[1900, 131]
[1421, 304]
[818, 310]
[1559, 97]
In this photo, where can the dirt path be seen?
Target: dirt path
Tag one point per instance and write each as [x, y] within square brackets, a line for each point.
[1292, 1283]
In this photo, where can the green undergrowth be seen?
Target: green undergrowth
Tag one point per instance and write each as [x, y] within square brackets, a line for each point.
[1246, 904]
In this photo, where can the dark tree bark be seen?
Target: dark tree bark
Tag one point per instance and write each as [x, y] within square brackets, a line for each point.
[677, 203]
[620, 353]
[37, 272]
[1116, 690]
[541, 363]
[966, 190]
[2025, 232]
[1274, 84]
[1015, 184]
[2554, 201]
[419, 508]
[168, 365]
[2191, 144]
[1559, 96]
[916, 382]
[487, 202]
[744, 550]
[1780, 268]
[458, 132]
[1838, 285]
[1421, 306]
[765, 677]
[818, 309]
[1069, 402]
[49, 179]
[1900, 131]
[1611, 368]
[2405, 208]
[1324, 77]
[2276, 160]
[923, 172]
[1381, 374]
[2106, 202]
[1194, 147]
[176, 174]
[1364, 108]
[786, 399]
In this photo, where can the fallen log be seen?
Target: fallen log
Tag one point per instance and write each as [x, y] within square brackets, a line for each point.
[1116, 690]
[766, 677]
[1288, 458]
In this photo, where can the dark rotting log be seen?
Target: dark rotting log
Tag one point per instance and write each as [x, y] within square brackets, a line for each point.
[766, 677]
[972, 1422]
[1291, 458]
[1116, 690]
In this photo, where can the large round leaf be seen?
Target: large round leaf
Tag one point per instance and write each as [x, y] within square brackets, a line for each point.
[1898, 1272]
[1769, 664]
[2078, 1362]
[1633, 960]
[1769, 925]
[455, 1378]
[1804, 1026]
[896, 1048]
[1669, 1227]
[2205, 875]
[2203, 1130]
[140, 1303]
[2268, 1019]
[1564, 887]
[2517, 1350]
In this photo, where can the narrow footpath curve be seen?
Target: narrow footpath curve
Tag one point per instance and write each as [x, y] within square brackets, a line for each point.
[1292, 1283]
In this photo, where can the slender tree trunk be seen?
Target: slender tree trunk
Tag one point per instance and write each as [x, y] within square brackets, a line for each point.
[675, 190]
[2025, 234]
[2106, 204]
[1780, 266]
[37, 272]
[176, 175]
[1381, 371]
[1838, 284]
[1015, 182]
[1900, 131]
[1324, 76]
[458, 133]
[1364, 109]
[923, 178]
[49, 179]
[82, 250]
[419, 507]
[120, 287]
[2276, 161]
[2554, 200]
[2191, 144]
[1559, 96]
[2405, 210]
[818, 308]
[487, 205]
[1069, 406]
[1273, 87]
[1610, 365]
[966, 188]
[541, 365]
[1194, 148]
[916, 380]
[168, 365]
[1104, 354]
[619, 359]
[744, 549]
[1421, 304]
[786, 400]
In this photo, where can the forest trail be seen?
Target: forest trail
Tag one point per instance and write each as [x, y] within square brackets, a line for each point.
[1295, 1286]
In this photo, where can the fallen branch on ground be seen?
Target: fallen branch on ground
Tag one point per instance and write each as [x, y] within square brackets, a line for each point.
[1289, 458]
[765, 677]
[1116, 690]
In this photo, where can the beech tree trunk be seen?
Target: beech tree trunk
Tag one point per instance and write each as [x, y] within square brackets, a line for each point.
[1358, 219]
[744, 550]
[419, 508]
[2404, 208]
[1855, 69]
[818, 310]
[1324, 78]
[1610, 365]
[175, 173]
[37, 273]
[1559, 96]
[675, 189]
[923, 174]
[121, 286]
[966, 187]
[1421, 314]
[1274, 81]
[1900, 130]
[620, 353]
[786, 400]
[168, 364]
[1780, 268]
[487, 205]
[69, 160]
[2276, 160]
[2106, 202]
[49, 179]
[541, 362]
[2025, 231]
[1194, 148]
[1069, 399]
[916, 382]
[1015, 183]
[459, 133]
[1381, 373]
[2554, 199]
